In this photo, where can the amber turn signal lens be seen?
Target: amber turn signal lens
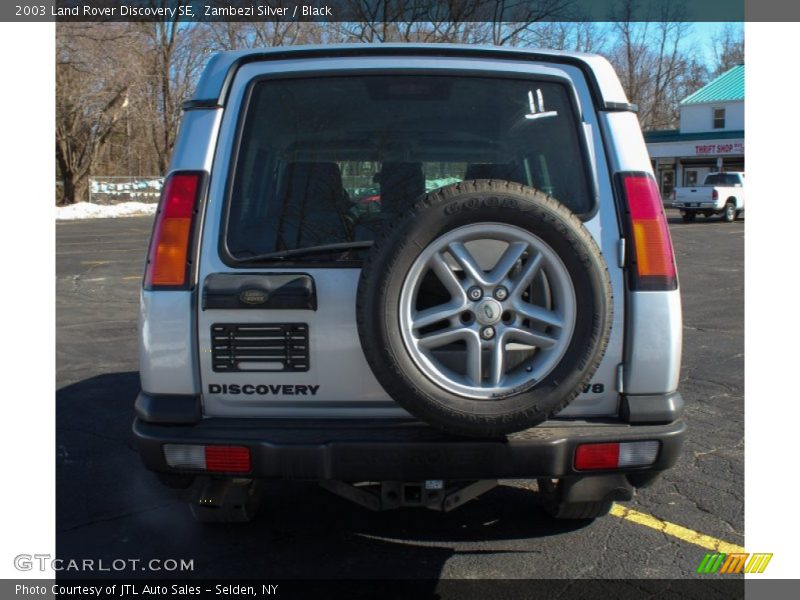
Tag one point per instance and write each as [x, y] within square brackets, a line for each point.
[168, 259]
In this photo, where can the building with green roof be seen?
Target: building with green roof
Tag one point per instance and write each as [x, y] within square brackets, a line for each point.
[710, 137]
[728, 87]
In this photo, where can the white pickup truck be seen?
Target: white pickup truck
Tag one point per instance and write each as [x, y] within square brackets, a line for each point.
[721, 194]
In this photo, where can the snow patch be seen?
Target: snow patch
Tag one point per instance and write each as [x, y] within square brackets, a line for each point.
[87, 210]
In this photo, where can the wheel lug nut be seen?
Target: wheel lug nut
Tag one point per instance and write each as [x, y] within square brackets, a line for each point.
[487, 333]
[501, 293]
[475, 293]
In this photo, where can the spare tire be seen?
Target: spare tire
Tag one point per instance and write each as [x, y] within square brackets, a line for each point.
[485, 309]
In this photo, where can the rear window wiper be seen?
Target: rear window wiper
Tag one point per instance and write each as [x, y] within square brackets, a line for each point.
[309, 251]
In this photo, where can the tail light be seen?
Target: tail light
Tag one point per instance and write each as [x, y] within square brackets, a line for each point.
[651, 256]
[615, 455]
[169, 259]
[714, 194]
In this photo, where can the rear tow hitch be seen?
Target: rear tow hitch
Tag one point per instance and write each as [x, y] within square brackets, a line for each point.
[435, 494]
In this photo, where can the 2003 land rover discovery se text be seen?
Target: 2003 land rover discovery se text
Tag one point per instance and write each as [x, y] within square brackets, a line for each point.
[406, 272]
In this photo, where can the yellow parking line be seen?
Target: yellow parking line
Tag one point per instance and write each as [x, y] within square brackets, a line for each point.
[133, 277]
[682, 533]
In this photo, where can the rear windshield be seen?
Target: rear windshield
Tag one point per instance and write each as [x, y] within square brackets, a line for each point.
[722, 179]
[336, 160]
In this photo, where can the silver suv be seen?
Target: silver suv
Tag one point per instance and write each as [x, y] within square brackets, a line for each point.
[406, 272]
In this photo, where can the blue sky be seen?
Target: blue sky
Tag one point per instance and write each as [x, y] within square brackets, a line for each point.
[703, 33]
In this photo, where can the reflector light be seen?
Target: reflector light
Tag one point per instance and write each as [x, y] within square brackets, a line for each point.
[653, 261]
[167, 261]
[222, 459]
[615, 455]
[597, 456]
[228, 459]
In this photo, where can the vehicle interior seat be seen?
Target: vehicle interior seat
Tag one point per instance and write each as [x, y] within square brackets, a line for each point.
[401, 183]
[314, 205]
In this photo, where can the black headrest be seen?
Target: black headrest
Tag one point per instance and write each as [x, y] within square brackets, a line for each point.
[401, 183]
[392, 173]
[504, 171]
[323, 171]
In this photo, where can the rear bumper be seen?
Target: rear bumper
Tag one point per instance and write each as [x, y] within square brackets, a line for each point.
[690, 206]
[384, 450]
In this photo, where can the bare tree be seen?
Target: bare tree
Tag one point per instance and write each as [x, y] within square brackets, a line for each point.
[269, 32]
[230, 35]
[383, 20]
[655, 63]
[496, 22]
[728, 47]
[170, 60]
[91, 94]
[515, 24]
[560, 35]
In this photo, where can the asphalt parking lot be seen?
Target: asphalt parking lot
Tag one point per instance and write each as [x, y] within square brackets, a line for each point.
[109, 507]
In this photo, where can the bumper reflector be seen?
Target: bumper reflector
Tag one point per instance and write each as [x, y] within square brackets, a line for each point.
[615, 455]
[597, 456]
[221, 459]
[229, 459]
